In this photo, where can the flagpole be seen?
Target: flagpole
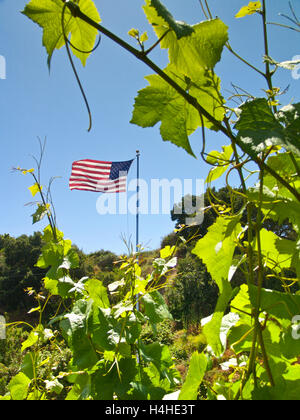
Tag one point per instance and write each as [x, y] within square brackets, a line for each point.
[137, 208]
[138, 198]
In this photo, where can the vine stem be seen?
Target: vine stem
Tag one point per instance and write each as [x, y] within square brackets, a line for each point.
[243, 60]
[264, 17]
[268, 73]
[49, 216]
[261, 270]
[67, 42]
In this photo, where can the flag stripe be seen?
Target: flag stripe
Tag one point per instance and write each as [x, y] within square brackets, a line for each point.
[92, 167]
[96, 184]
[93, 162]
[92, 178]
[98, 181]
[87, 171]
[98, 189]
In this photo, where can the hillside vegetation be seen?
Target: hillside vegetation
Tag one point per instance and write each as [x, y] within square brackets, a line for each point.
[188, 291]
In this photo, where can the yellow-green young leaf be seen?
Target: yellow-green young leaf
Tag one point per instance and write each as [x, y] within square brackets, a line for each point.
[144, 37]
[27, 171]
[167, 252]
[31, 340]
[48, 15]
[253, 7]
[34, 310]
[220, 162]
[35, 188]
[134, 33]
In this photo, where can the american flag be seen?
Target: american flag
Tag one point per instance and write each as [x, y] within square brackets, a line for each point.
[98, 176]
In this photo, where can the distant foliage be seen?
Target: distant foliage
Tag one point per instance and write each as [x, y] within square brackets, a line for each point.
[192, 295]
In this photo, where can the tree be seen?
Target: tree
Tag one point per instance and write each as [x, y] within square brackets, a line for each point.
[219, 198]
[192, 294]
[18, 271]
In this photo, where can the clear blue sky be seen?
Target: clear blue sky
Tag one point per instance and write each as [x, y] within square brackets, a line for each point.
[34, 103]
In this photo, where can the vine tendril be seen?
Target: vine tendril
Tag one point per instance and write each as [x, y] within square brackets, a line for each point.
[68, 44]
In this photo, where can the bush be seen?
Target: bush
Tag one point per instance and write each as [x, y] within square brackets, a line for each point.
[193, 295]
[10, 355]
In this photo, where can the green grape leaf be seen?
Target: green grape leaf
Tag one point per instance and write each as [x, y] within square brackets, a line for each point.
[274, 205]
[258, 129]
[52, 256]
[19, 386]
[241, 303]
[31, 340]
[221, 160]
[217, 247]
[216, 251]
[59, 287]
[290, 116]
[160, 102]
[97, 292]
[156, 309]
[289, 346]
[48, 15]
[192, 49]
[287, 383]
[115, 380]
[75, 330]
[283, 306]
[158, 354]
[48, 235]
[71, 260]
[101, 328]
[27, 366]
[278, 253]
[197, 368]
[212, 329]
[284, 166]
[40, 213]
[160, 18]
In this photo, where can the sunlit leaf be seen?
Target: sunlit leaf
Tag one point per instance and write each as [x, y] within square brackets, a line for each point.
[253, 7]
[194, 377]
[48, 15]
[192, 49]
[160, 102]
[34, 189]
